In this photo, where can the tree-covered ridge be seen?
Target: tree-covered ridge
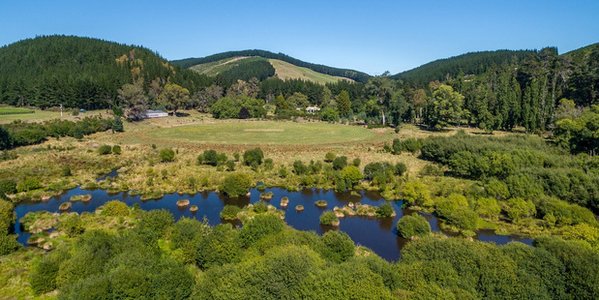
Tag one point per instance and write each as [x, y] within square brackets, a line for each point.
[352, 74]
[472, 63]
[81, 72]
[580, 54]
[246, 69]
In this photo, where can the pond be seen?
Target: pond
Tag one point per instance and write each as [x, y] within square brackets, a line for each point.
[380, 235]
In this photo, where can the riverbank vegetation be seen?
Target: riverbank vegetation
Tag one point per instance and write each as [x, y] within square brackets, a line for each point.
[140, 253]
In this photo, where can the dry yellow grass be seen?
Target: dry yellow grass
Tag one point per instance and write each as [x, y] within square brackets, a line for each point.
[142, 171]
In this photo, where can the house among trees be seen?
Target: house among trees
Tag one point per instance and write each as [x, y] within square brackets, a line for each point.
[312, 109]
[156, 114]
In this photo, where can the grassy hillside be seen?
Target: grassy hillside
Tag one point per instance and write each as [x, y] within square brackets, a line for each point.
[347, 73]
[228, 67]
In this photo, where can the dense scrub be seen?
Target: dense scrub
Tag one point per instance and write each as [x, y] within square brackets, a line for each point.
[21, 134]
[517, 166]
[154, 257]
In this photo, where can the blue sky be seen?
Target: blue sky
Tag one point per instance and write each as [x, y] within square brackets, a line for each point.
[371, 36]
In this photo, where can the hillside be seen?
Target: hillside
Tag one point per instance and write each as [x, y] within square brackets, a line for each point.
[470, 63]
[240, 67]
[79, 72]
[322, 69]
[581, 54]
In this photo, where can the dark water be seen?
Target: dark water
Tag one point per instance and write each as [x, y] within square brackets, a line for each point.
[379, 235]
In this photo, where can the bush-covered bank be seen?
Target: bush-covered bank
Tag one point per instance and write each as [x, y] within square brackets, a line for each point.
[146, 254]
[18, 133]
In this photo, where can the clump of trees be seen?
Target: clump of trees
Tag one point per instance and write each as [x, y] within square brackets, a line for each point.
[413, 226]
[236, 184]
[19, 133]
[253, 157]
[212, 158]
[239, 107]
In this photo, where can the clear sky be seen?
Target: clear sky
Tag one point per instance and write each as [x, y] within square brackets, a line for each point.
[371, 36]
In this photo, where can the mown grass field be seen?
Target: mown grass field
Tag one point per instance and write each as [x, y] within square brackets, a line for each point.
[265, 132]
[9, 110]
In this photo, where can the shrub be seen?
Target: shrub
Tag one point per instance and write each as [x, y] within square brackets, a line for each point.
[339, 162]
[400, 168]
[8, 244]
[44, 271]
[413, 225]
[253, 157]
[152, 224]
[299, 167]
[488, 208]
[230, 165]
[385, 210]
[379, 173]
[329, 218]
[230, 212]
[66, 171]
[356, 162]
[209, 157]
[115, 208]
[351, 175]
[329, 157]
[72, 225]
[416, 193]
[408, 145]
[497, 189]
[260, 207]
[104, 150]
[29, 184]
[518, 209]
[7, 187]
[116, 149]
[329, 114]
[219, 247]
[117, 124]
[268, 164]
[167, 155]
[340, 246]
[283, 172]
[236, 184]
[456, 212]
[258, 227]
[7, 216]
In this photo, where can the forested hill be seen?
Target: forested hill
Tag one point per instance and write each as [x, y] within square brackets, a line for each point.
[80, 72]
[347, 73]
[470, 63]
[581, 54]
